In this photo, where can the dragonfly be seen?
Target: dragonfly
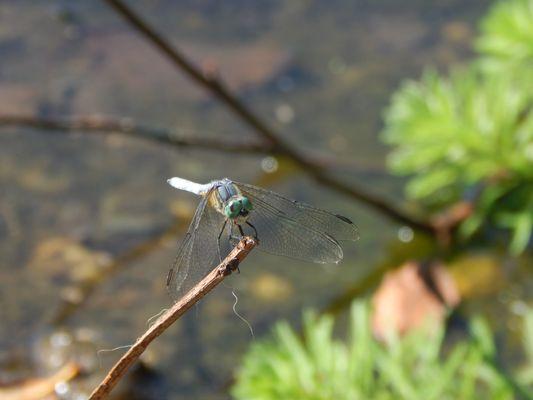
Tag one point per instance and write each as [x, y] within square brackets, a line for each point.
[230, 210]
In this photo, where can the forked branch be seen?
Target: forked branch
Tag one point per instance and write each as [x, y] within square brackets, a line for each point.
[217, 275]
[217, 88]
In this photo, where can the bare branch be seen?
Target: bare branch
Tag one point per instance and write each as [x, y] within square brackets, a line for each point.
[126, 126]
[219, 91]
[217, 275]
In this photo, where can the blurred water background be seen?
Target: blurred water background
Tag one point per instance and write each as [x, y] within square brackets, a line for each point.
[320, 72]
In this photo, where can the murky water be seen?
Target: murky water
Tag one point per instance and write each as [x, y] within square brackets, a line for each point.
[321, 73]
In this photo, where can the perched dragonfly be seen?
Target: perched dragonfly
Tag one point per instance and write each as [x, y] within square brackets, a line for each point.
[230, 210]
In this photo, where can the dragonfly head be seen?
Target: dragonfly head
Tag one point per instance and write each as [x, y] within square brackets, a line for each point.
[238, 206]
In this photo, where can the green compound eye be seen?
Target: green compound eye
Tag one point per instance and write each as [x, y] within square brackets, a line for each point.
[233, 208]
[246, 204]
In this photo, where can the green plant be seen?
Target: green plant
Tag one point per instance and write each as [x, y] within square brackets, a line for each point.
[470, 135]
[507, 37]
[319, 367]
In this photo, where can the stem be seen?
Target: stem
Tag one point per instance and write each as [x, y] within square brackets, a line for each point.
[125, 126]
[217, 275]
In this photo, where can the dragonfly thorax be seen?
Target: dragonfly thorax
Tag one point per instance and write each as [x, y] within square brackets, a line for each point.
[231, 202]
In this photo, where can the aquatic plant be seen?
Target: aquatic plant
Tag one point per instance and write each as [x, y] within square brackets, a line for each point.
[506, 39]
[469, 136]
[416, 366]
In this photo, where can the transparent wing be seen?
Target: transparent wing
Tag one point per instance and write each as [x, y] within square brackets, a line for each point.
[337, 226]
[280, 234]
[198, 253]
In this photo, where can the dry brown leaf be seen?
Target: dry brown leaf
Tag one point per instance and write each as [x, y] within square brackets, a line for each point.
[405, 300]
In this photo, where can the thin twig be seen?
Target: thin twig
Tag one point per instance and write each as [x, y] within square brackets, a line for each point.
[128, 127]
[101, 125]
[40, 388]
[219, 90]
[217, 275]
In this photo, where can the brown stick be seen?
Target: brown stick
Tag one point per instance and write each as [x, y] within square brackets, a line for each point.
[219, 91]
[125, 126]
[179, 308]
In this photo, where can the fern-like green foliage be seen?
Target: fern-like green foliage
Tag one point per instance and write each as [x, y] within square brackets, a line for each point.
[470, 135]
[319, 367]
[507, 36]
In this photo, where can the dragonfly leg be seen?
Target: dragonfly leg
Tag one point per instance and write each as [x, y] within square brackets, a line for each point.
[218, 240]
[231, 231]
[236, 238]
[255, 230]
[233, 239]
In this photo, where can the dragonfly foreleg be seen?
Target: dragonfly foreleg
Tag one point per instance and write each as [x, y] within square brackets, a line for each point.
[218, 240]
[255, 230]
[235, 238]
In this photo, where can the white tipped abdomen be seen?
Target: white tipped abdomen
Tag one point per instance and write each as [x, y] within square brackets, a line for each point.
[193, 187]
